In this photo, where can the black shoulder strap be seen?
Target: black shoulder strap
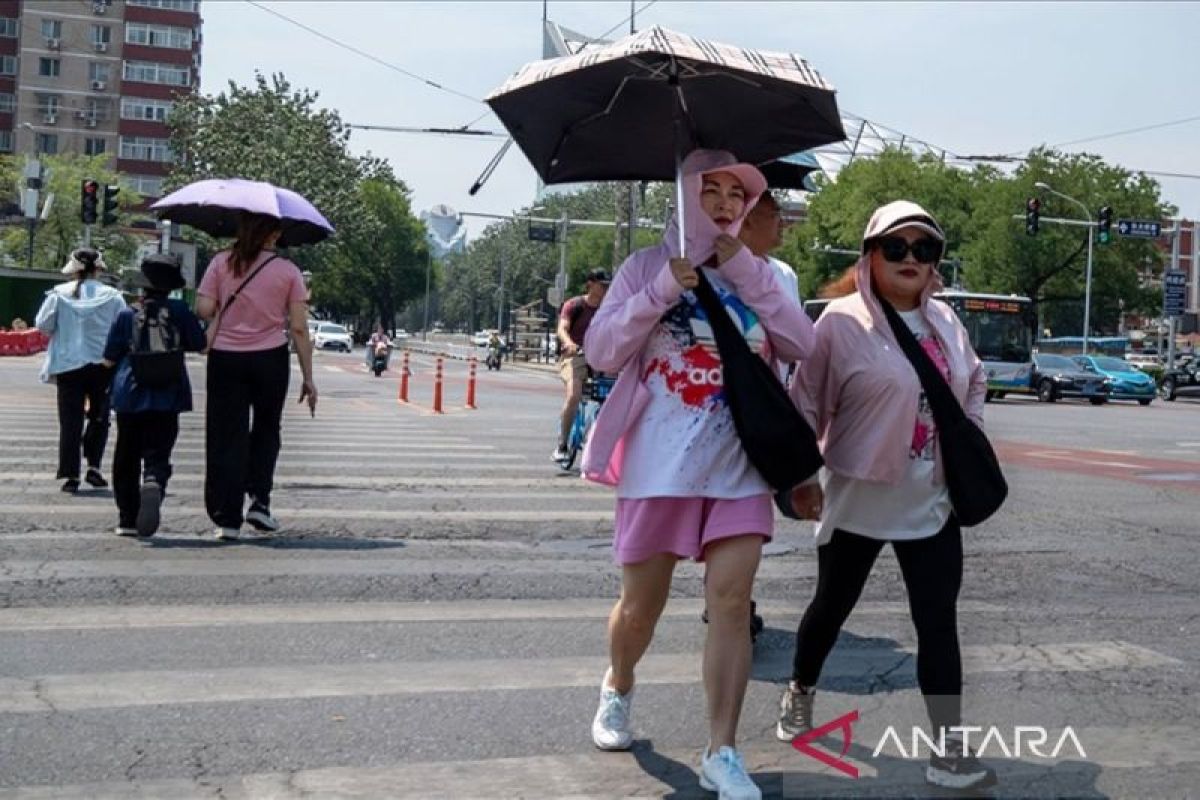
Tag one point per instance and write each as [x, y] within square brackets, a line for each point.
[257, 270]
[945, 406]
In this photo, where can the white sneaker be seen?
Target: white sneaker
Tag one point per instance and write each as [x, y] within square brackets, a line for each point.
[610, 728]
[126, 531]
[725, 774]
[559, 454]
[260, 517]
[228, 534]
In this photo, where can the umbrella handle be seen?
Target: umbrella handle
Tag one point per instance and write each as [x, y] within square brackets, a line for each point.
[673, 80]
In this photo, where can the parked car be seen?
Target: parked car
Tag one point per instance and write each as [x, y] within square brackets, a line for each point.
[331, 336]
[1128, 382]
[481, 338]
[1184, 380]
[1143, 360]
[1056, 376]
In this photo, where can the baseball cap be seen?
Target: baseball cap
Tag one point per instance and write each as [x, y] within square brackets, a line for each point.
[901, 214]
[598, 276]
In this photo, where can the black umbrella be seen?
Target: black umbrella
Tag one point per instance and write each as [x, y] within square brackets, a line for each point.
[791, 172]
[630, 110]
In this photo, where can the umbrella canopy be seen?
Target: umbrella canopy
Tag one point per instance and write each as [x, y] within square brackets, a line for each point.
[791, 172]
[215, 207]
[609, 112]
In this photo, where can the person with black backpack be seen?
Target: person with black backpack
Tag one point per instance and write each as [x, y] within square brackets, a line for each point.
[150, 389]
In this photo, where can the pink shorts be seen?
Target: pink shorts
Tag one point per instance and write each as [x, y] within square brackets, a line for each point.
[686, 525]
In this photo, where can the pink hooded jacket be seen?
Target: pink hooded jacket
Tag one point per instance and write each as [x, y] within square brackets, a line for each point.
[645, 288]
[860, 393]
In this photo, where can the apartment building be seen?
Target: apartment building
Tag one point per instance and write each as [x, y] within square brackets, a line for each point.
[97, 77]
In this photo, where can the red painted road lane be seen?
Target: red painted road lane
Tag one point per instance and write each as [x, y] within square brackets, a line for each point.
[1159, 472]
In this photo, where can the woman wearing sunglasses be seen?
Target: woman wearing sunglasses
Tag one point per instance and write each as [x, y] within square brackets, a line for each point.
[882, 482]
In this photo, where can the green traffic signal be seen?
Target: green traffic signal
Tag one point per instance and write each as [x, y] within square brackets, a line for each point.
[1104, 225]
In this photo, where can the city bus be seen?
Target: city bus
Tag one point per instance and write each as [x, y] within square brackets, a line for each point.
[1000, 328]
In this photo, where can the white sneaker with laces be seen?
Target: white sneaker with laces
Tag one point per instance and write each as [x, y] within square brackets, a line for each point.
[559, 454]
[228, 534]
[610, 728]
[725, 774]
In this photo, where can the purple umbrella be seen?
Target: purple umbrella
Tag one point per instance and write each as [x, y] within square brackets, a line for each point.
[215, 206]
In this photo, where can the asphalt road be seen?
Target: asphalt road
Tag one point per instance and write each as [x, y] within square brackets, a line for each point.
[431, 621]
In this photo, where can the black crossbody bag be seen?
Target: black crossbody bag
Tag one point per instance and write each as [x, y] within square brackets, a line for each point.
[973, 475]
[776, 438]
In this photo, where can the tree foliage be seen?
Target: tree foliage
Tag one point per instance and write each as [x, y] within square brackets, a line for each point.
[977, 209]
[63, 231]
[270, 132]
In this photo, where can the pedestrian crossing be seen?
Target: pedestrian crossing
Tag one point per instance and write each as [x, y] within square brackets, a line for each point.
[432, 626]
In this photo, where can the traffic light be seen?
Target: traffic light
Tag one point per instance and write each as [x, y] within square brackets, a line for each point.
[1033, 210]
[1104, 225]
[89, 201]
[110, 205]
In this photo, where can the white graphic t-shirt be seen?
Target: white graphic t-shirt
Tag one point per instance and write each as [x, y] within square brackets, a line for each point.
[915, 507]
[684, 444]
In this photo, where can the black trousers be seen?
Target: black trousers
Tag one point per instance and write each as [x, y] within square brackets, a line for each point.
[932, 570]
[246, 392]
[143, 453]
[82, 396]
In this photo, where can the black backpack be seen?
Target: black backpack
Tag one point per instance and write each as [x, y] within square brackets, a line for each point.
[156, 351]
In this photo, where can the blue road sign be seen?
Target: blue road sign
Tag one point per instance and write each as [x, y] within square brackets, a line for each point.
[1174, 292]
[1142, 228]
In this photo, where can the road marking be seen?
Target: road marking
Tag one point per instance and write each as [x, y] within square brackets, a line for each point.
[202, 616]
[134, 688]
[286, 459]
[396, 515]
[1062, 456]
[399, 481]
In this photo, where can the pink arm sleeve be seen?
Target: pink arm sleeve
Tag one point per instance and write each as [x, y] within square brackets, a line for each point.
[631, 309]
[789, 328]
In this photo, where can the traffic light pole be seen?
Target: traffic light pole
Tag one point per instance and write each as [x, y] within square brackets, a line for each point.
[1087, 287]
[87, 235]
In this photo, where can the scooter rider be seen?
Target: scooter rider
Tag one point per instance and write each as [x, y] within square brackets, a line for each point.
[495, 348]
[573, 322]
[378, 339]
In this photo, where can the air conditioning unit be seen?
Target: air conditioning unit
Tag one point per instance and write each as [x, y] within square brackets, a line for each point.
[99, 7]
[50, 119]
[99, 86]
[91, 122]
[81, 115]
[101, 47]
[53, 44]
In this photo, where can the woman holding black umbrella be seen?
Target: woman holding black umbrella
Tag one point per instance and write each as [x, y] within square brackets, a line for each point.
[249, 293]
[665, 438]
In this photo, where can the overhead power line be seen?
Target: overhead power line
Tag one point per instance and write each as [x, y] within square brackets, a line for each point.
[407, 73]
[1126, 132]
[621, 24]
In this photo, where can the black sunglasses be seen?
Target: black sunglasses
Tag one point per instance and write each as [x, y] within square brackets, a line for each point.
[926, 250]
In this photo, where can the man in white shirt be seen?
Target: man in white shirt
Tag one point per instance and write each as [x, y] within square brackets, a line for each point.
[762, 232]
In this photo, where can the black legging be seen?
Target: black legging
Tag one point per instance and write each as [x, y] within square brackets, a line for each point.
[82, 397]
[932, 570]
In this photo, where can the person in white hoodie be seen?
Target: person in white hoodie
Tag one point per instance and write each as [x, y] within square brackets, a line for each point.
[77, 315]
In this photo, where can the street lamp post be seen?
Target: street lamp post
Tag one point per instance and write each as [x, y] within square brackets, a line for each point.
[1087, 285]
[428, 269]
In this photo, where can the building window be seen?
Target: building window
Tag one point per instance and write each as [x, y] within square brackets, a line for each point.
[99, 110]
[158, 35]
[49, 67]
[6, 142]
[145, 148]
[8, 65]
[9, 27]
[94, 147]
[52, 29]
[49, 104]
[101, 35]
[146, 185]
[150, 72]
[46, 143]
[8, 102]
[170, 5]
[145, 109]
[99, 71]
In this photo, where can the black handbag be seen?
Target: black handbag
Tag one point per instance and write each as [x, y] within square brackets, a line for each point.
[973, 475]
[776, 438]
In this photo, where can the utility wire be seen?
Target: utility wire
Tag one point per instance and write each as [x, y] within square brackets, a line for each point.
[364, 54]
[1125, 132]
[621, 24]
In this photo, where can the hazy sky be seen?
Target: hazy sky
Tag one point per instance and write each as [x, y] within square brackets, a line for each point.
[970, 77]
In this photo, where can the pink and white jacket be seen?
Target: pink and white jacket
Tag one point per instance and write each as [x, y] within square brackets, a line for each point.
[860, 393]
[642, 291]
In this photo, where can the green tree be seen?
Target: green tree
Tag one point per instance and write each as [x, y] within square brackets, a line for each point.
[63, 231]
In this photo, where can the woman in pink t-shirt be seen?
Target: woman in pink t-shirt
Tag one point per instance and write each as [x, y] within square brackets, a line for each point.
[250, 294]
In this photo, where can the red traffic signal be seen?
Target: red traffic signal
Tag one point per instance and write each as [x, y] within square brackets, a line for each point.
[89, 201]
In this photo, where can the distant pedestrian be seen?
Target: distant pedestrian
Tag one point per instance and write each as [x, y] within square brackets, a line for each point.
[250, 293]
[883, 480]
[150, 389]
[665, 438]
[77, 315]
[763, 233]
